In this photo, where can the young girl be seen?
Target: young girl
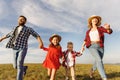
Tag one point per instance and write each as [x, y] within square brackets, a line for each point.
[52, 62]
[94, 41]
[69, 62]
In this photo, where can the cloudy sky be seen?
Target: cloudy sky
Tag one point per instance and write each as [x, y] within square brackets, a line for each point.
[67, 18]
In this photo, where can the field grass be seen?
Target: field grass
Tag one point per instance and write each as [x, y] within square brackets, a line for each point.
[37, 72]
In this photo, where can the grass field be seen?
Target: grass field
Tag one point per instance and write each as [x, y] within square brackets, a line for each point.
[37, 72]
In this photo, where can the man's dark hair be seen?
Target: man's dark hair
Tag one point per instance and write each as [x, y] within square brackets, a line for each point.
[23, 17]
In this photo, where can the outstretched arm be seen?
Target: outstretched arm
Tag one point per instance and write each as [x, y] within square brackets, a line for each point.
[83, 45]
[1, 39]
[78, 54]
[40, 41]
[6, 36]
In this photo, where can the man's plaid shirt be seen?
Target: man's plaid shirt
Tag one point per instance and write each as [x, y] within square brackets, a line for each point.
[22, 38]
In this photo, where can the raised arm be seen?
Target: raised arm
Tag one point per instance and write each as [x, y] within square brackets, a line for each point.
[107, 27]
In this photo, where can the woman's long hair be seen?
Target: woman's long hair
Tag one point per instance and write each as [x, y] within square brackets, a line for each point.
[90, 23]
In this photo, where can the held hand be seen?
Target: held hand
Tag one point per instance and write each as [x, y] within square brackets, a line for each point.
[107, 26]
[41, 46]
[82, 49]
[40, 42]
[1, 40]
[63, 58]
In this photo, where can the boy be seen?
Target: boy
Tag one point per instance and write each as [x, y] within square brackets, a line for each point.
[69, 62]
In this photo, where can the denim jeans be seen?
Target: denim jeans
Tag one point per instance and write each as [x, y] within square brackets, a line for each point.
[18, 57]
[97, 52]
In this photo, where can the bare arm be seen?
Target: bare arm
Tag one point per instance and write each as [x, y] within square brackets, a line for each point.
[83, 45]
[40, 41]
[78, 54]
[1, 39]
[6, 36]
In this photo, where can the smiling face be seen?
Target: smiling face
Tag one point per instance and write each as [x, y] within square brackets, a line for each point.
[55, 41]
[70, 47]
[94, 21]
[21, 21]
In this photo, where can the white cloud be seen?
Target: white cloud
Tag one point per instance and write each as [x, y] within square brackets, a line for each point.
[110, 58]
[34, 55]
[3, 9]
[41, 15]
[58, 5]
[59, 16]
[67, 15]
[32, 41]
[5, 30]
[5, 55]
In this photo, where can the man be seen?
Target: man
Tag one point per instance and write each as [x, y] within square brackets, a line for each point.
[19, 43]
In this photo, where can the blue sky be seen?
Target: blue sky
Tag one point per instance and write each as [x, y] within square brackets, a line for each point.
[67, 18]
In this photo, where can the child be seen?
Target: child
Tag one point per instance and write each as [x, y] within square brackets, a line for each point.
[69, 62]
[52, 62]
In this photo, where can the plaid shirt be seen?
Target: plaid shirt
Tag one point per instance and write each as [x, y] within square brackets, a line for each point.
[101, 31]
[22, 38]
[74, 54]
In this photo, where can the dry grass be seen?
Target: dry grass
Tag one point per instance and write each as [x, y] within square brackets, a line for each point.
[37, 72]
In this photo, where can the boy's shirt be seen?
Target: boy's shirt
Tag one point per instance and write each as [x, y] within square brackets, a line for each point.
[70, 58]
[20, 40]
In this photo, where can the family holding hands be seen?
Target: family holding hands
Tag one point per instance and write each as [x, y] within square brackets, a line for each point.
[94, 41]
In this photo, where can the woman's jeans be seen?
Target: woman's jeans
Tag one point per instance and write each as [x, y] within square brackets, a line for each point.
[18, 57]
[97, 52]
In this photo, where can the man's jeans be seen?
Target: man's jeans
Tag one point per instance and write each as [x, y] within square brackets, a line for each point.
[97, 52]
[18, 57]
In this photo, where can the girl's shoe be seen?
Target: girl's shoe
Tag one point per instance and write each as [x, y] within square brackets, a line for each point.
[91, 73]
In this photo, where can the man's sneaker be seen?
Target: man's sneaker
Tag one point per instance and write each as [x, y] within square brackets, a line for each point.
[48, 77]
[25, 69]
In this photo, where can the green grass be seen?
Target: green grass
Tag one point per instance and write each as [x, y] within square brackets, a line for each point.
[37, 72]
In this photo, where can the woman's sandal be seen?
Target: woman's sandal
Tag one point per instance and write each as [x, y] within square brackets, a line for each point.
[91, 73]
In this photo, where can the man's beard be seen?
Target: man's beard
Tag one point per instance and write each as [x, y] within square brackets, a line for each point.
[22, 24]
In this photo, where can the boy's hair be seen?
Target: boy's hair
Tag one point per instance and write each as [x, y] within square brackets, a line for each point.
[69, 43]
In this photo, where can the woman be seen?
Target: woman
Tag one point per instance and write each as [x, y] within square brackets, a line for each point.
[94, 41]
